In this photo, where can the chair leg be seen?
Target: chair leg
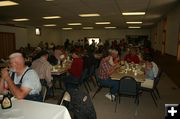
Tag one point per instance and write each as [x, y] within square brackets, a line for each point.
[154, 98]
[92, 78]
[154, 94]
[99, 88]
[86, 87]
[116, 101]
[157, 93]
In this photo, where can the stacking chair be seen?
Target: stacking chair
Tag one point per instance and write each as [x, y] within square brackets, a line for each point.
[128, 87]
[154, 89]
[65, 98]
[43, 92]
[82, 81]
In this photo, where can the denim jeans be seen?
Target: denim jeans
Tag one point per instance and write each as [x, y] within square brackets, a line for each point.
[111, 83]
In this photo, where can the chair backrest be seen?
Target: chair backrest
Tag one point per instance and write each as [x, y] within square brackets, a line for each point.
[81, 105]
[66, 97]
[157, 78]
[43, 92]
[84, 75]
[128, 86]
[97, 79]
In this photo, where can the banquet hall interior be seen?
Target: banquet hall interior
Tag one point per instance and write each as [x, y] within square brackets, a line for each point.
[92, 29]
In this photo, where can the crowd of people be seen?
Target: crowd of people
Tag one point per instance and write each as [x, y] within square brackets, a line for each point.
[25, 81]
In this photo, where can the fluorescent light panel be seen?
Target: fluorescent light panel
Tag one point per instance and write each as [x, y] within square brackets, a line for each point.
[21, 19]
[74, 24]
[89, 15]
[66, 28]
[110, 27]
[103, 23]
[133, 13]
[52, 17]
[134, 27]
[88, 28]
[7, 3]
[137, 22]
[49, 0]
[49, 25]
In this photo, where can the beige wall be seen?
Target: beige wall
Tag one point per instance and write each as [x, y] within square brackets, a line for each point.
[173, 20]
[102, 34]
[157, 33]
[20, 34]
[47, 35]
[27, 35]
[173, 26]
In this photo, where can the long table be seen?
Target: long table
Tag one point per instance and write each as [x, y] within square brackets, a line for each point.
[120, 72]
[25, 109]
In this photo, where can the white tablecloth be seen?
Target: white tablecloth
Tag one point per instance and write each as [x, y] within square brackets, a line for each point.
[24, 109]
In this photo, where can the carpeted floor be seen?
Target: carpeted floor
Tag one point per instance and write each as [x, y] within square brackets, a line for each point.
[127, 109]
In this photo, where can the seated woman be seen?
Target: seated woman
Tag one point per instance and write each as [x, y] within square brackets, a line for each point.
[75, 70]
[104, 71]
[151, 71]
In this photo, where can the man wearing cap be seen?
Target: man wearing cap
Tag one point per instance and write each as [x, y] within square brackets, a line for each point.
[22, 81]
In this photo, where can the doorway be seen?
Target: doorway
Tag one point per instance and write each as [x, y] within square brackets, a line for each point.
[7, 43]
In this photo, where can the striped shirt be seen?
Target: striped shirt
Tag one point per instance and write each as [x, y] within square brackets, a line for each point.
[43, 69]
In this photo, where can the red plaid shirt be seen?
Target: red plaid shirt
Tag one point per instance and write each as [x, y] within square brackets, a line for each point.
[103, 69]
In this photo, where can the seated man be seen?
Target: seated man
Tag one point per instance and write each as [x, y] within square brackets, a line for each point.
[43, 69]
[23, 82]
[55, 58]
[104, 71]
[58, 56]
[151, 72]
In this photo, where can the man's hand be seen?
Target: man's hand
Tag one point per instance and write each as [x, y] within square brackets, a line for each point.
[5, 74]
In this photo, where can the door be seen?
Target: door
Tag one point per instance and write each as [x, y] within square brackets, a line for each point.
[178, 55]
[164, 36]
[7, 44]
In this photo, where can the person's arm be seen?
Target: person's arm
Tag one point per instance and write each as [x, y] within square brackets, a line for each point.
[19, 93]
[109, 70]
[112, 69]
[1, 85]
[48, 76]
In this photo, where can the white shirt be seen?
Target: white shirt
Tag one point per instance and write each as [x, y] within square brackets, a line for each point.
[155, 69]
[30, 80]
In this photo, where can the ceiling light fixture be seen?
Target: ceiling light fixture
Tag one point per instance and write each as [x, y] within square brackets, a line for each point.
[50, 25]
[137, 22]
[103, 23]
[134, 27]
[49, 0]
[88, 28]
[66, 28]
[52, 17]
[89, 15]
[21, 19]
[110, 27]
[133, 13]
[74, 24]
[7, 3]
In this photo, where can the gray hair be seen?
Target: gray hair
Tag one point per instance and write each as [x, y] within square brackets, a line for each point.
[16, 54]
